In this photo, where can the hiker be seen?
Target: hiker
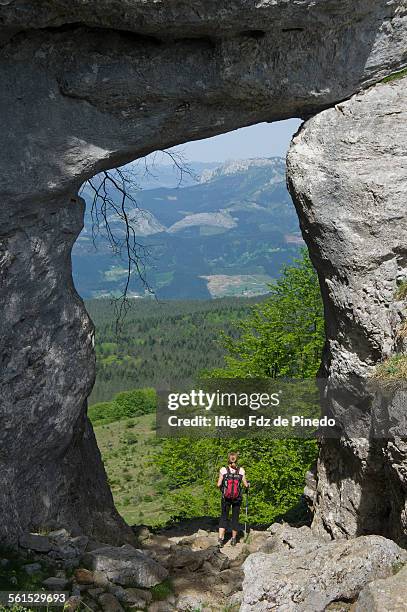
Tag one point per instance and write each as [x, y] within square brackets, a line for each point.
[230, 483]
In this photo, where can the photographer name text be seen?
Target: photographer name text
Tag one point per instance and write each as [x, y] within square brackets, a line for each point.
[223, 421]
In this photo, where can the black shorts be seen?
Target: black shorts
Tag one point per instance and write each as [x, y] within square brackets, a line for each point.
[225, 508]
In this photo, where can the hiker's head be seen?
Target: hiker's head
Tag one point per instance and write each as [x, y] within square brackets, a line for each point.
[232, 459]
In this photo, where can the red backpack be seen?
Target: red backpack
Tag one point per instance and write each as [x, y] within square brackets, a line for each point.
[232, 485]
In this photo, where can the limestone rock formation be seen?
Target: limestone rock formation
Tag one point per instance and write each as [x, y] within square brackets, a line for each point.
[283, 538]
[384, 594]
[302, 581]
[347, 172]
[86, 86]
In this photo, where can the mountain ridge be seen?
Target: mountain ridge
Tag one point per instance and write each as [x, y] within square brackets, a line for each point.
[237, 223]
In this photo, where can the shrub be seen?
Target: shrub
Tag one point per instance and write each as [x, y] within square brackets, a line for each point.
[125, 405]
[136, 402]
[130, 438]
[162, 591]
[102, 413]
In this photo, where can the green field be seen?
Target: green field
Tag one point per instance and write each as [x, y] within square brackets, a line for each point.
[139, 490]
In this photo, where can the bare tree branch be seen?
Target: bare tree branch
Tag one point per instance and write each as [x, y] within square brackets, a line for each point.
[113, 199]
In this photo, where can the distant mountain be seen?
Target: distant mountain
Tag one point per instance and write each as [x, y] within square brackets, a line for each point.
[153, 174]
[227, 232]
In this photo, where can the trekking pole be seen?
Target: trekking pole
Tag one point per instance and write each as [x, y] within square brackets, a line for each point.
[247, 507]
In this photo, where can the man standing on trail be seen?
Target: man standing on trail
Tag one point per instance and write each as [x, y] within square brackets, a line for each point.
[230, 483]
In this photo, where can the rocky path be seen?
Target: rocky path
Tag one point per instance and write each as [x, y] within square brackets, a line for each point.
[203, 576]
[174, 570]
[282, 569]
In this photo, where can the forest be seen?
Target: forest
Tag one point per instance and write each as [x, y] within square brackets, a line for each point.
[160, 342]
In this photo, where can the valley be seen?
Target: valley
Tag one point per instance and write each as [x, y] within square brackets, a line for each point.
[223, 231]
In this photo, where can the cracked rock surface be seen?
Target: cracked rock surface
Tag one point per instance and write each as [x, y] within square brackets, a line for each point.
[347, 171]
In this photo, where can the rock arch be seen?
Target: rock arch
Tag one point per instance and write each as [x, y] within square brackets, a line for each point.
[87, 86]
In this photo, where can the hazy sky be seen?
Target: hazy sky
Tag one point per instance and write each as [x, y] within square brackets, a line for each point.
[261, 140]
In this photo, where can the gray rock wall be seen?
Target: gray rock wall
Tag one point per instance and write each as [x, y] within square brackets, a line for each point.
[51, 473]
[347, 172]
[86, 86]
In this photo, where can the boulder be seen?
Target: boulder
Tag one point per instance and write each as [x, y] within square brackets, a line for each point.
[66, 547]
[137, 597]
[235, 600]
[384, 594]
[56, 584]
[311, 580]
[36, 542]
[59, 533]
[190, 602]
[142, 532]
[100, 579]
[126, 566]
[84, 576]
[94, 593]
[202, 543]
[109, 603]
[284, 538]
[192, 560]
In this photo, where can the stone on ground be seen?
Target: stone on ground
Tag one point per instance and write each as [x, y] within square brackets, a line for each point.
[36, 542]
[126, 566]
[109, 603]
[32, 568]
[84, 576]
[56, 584]
[297, 581]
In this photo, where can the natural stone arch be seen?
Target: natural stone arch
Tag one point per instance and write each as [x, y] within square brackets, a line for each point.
[89, 86]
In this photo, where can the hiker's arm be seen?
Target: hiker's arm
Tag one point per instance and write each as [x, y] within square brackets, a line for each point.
[220, 480]
[245, 483]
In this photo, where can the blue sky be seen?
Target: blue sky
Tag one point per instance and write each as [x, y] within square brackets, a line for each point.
[261, 140]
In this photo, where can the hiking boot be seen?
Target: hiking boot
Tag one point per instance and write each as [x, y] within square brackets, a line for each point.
[221, 542]
[233, 542]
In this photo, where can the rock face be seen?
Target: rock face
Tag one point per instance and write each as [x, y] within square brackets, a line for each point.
[86, 86]
[294, 580]
[347, 173]
[47, 372]
[384, 594]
